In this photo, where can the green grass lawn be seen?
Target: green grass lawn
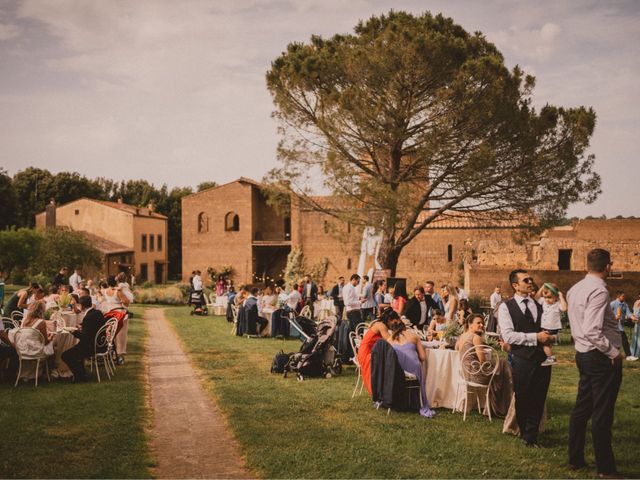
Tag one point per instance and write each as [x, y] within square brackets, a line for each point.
[311, 429]
[63, 430]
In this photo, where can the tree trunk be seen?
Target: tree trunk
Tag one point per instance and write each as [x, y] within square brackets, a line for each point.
[389, 254]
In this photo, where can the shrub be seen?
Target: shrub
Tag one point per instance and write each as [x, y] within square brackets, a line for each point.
[165, 296]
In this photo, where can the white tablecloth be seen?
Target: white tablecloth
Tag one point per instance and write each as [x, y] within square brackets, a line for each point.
[71, 319]
[443, 367]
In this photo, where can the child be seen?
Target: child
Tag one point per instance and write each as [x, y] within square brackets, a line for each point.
[553, 305]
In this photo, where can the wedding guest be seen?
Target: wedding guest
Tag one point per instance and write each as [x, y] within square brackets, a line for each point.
[114, 304]
[450, 296]
[309, 293]
[379, 329]
[352, 302]
[411, 357]
[418, 306]
[51, 300]
[438, 323]
[294, 298]
[338, 300]
[471, 338]
[399, 297]
[35, 319]
[463, 311]
[86, 333]
[60, 277]
[430, 289]
[621, 313]
[250, 307]
[520, 324]
[380, 287]
[635, 340]
[597, 342]
[76, 279]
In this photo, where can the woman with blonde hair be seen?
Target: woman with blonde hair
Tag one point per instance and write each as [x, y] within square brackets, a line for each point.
[451, 305]
[35, 319]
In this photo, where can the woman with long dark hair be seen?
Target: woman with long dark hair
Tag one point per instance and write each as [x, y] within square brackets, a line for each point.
[411, 357]
[399, 297]
[378, 330]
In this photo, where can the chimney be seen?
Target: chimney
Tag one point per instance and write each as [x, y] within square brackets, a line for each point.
[50, 214]
[120, 200]
[151, 207]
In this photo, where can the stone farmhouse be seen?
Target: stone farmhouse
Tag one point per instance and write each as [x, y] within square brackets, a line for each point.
[233, 225]
[131, 239]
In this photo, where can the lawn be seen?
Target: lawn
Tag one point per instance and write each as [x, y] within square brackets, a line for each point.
[311, 429]
[64, 430]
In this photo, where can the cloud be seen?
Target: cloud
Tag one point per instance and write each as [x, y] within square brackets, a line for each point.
[528, 44]
[8, 31]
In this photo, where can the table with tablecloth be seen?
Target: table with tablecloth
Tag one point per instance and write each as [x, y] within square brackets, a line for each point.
[71, 319]
[220, 305]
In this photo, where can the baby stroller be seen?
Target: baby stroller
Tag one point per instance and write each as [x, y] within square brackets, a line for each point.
[198, 302]
[317, 356]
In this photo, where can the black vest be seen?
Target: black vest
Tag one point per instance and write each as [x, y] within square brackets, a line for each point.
[521, 324]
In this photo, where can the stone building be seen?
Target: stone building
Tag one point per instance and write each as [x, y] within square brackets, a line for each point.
[232, 225]
[132, 239]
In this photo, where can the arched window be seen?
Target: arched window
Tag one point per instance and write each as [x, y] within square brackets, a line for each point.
[203, 222]
[232, 222]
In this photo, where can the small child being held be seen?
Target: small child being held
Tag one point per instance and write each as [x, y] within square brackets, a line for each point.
[553, 305]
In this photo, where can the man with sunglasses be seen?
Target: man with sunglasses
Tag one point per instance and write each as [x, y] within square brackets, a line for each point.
[519, 319]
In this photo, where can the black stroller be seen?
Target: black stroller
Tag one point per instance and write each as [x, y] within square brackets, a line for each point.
[198, 302]
[317, 356]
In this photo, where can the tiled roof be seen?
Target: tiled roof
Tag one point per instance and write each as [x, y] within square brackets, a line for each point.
[125, 207]
[105, 246]
[239, 180]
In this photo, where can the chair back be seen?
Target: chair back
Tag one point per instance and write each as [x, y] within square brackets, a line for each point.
[102, 339]
[29, 343]
[306, 311]
[354, 341]
[9, 324]
[234, 311]
[111, 331]
[361, 328]
[479, 364]
[16, 316]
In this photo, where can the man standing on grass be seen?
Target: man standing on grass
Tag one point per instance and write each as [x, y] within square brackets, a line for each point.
[352, 302]
[520, 325]
[622, 314]
[597, 342]
[338, 300]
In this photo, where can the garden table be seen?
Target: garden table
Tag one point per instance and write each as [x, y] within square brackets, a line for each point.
[441, 382]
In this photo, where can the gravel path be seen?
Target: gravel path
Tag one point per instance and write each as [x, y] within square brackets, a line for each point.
[190, 437]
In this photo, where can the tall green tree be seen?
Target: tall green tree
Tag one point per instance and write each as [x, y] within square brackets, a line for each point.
[8, 203]
[411, 118]
[62, 247]
[33, 188]
[18, 249]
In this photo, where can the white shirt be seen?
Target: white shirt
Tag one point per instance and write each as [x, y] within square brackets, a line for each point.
[308, 288]
[294, 299]
[506, 323]
[351, 297]
[494, 299]
[423, 312]
[74, 281]
[551, 315]
[593, 326]
[197, 283]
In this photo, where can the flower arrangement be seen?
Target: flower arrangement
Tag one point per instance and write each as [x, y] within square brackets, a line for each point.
[64, 300]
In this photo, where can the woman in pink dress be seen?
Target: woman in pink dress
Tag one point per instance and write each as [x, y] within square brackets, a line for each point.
[378, 330]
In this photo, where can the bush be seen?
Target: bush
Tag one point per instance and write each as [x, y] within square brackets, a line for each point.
[165, 296]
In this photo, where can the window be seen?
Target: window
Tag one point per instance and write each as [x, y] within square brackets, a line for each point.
[326, 227]
[144, 243]
[203, 223]
[449, 253]
[159, 242]
[232, 222]
[287, 228]
[144, 272]
[564, 259]
[152, 242]
[348, 227]
[348, 263]
[77, 212]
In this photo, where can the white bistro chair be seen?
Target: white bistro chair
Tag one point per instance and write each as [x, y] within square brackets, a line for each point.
[478, 366]
[30, 345]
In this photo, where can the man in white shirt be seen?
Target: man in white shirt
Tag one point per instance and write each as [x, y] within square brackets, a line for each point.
[197, 282]
[519, 319]
[368, 303]
[352, 301]
[76, 279]
[597, 342]
[495, 297]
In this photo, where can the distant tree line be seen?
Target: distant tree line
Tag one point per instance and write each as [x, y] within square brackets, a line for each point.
[29, 190]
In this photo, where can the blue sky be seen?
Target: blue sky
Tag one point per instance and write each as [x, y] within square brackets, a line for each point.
[174, 91]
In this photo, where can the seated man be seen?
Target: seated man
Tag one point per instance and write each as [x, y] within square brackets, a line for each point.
[250, 306]
[87, 330]
[417, 309]
[8, 351]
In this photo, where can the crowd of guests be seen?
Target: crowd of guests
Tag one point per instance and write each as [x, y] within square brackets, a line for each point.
[92, 305]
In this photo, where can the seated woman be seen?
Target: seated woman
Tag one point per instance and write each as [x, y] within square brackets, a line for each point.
[379, 329]
[51, 300]
[472, 338]
[438, 324]
[463, 311]
[114, 304]
[35, 319]
[411, 356]
[399, 297]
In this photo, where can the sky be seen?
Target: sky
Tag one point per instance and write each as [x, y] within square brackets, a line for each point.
[174, 91]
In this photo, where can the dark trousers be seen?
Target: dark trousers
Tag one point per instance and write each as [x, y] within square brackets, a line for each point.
[74, 358]
[530, 384]
[367, 314]
[10, 353]
[597, 395]
[339, 309]
[625, 343]
[354, 317]
[262, 324]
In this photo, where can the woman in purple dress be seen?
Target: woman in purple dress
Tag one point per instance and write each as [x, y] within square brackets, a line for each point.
[411, 357]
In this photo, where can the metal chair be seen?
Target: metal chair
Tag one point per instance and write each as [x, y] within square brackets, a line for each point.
[478, 366]
[234, 311]
[306, 311]
[30, 345]
[361, 329]
[9, 324]
[16, 316]
[101, 349]
[355, 345]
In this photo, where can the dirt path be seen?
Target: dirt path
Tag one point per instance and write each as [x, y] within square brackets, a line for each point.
[190, 437]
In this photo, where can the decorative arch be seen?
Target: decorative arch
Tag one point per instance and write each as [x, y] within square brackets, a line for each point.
[232, 222]
[203, 222]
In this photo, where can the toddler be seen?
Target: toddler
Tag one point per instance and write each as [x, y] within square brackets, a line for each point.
[553, 305]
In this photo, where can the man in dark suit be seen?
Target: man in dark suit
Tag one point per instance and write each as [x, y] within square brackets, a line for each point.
[336, 294]
[309, 292]
[250, 307]
[418, 306]
[519, 319]
[87, 330]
